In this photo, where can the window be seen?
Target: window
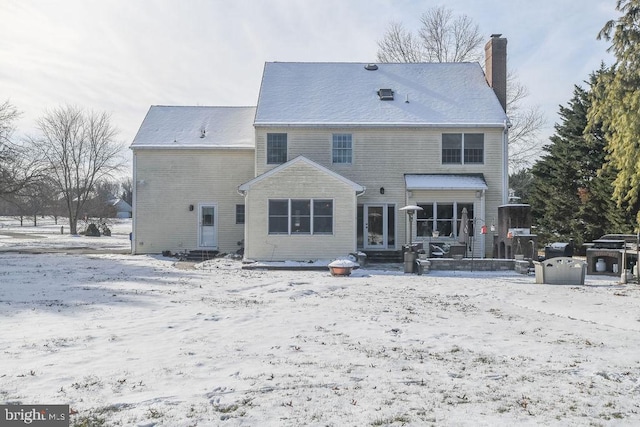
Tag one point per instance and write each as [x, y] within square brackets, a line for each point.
[239, 214]
[278, 216]
[474, 148]
[276, 148]
[451, 147]
[462, 148]
[208, 216]
[322, 216]
[444, 218]
[301, 216]
[342, 148]
[424, 221]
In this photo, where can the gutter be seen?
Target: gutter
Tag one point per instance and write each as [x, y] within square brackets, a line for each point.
[376, 125]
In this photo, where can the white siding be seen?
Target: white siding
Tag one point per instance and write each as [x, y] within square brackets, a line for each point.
[169, 181]
[381, 157]
[301, 181]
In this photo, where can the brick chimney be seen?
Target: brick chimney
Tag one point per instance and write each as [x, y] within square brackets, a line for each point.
[495, 52]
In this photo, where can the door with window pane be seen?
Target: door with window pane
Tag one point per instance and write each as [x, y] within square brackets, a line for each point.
[207, 228]
[376, 226]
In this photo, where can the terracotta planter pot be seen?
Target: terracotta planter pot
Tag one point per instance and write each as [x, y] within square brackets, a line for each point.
[340, 271]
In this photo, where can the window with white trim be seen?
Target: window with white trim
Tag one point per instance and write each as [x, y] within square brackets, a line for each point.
[300, 216]
[342, 148]
[462, 148]
[239, 214]
[276, 148]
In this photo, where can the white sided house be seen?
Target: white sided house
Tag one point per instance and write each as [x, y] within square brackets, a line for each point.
[322, 165]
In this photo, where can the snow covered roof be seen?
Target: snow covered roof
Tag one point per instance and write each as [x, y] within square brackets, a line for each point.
[301, 159]
[196, 127]
[120, 204]
[439, 94]
[445, 182]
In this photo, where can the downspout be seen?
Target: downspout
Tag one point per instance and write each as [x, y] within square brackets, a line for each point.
[355, 209]
[483, 241]
[134, 204]
[505, 161]
[243, 193]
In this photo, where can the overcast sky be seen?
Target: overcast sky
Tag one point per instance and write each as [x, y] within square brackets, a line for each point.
[121, 56]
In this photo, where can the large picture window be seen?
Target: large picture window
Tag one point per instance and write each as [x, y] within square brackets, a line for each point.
[342, 148]
[462, 148]
[445, 218]
[276, 148]
[300, 216]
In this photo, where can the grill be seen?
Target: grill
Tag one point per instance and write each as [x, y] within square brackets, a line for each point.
[558, 249]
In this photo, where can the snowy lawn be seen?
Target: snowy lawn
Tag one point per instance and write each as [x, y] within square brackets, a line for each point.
[133, 340]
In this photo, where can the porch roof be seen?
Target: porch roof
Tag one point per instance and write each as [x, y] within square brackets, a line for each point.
[445, 182]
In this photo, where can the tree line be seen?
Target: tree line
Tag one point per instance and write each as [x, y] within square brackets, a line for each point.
[69, 168]
[585, 182]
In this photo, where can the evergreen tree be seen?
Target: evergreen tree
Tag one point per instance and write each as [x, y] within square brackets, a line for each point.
[571, 194]
[616, 105]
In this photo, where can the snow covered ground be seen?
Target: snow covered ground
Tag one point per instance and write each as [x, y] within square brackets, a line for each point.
[134, 341]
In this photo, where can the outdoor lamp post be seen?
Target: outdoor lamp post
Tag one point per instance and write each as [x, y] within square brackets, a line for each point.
[411, 210]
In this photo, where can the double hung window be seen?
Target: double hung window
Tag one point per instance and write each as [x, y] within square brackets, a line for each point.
[462, 148]
[342, 148]
[276, 148]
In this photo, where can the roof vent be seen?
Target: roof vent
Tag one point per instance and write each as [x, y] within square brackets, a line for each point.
[203, 133]
[385, 94]
[371, 67]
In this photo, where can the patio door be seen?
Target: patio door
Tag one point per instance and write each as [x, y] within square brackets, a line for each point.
[375, 227]
[207, 227]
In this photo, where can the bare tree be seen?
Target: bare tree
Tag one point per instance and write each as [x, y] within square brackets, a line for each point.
[78, 149]
[448, 38]
[444, 37]
[17, 170]
[8, 115]
[526, 121]
[399, 45]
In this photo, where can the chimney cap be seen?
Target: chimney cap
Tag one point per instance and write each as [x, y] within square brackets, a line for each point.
[495, 35]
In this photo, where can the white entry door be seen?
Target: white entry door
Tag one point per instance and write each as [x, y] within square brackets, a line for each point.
[375, 226]
[207, 229]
